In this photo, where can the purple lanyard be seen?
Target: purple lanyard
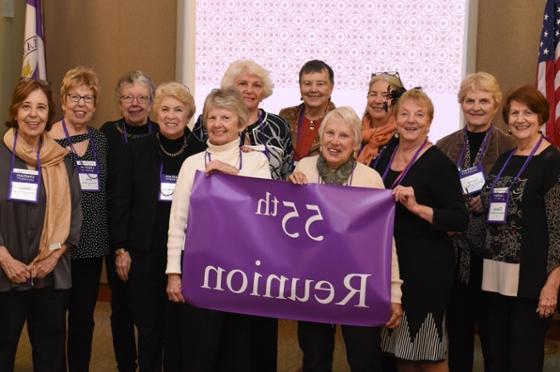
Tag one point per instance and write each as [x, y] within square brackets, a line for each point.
[125, 133]
[299, 124]
[378, 157]
[525, 164]
[261, 119]
[481, 151]
[401, 176]
[73, 150]
[13, 159]
[208, 159]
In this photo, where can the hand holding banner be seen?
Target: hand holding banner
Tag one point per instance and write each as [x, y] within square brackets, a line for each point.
[317, 252]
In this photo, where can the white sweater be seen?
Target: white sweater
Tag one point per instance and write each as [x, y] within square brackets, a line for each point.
[254, 164]
[362, 176]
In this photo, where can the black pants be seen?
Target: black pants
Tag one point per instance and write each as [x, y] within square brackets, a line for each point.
[464, 314]
[264, 344]
[216, 341]
[173, 341]
[516, 334]
[316, 340]
[122, 326]
[83, 297]
[147, 298]
[45, 313]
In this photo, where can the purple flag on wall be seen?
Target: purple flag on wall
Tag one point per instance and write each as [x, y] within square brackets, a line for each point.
[318, 252]
[33, 65]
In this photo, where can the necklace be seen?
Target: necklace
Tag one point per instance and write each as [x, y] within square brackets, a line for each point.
[173, 154]
[312, 124]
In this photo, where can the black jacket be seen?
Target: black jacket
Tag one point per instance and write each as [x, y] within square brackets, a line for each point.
[137, 190]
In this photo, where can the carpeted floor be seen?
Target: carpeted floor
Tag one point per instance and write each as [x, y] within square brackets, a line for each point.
[289, 355]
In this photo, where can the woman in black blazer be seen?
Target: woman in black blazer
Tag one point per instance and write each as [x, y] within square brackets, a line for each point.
[140, 219]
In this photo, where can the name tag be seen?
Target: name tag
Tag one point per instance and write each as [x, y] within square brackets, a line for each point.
[24, 185]
[167, 187]
[497, 213]
[472, 179]
[88, 175]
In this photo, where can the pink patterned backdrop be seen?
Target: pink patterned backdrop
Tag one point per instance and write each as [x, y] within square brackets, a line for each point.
[423, 40]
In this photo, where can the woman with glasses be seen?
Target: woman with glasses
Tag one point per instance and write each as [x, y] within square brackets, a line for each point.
[378, 122]
[88, 149]
[140, 218]
[316, 83]
[429, 206]
[135, 91]
[40, 219]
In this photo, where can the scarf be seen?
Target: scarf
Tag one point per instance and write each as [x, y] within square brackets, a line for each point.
[375, 138]
[338, 176]
[56, 225]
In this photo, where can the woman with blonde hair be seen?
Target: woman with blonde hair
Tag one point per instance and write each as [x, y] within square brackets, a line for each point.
[429, 206]
[140, 218]
[79, 95]
[474, 150]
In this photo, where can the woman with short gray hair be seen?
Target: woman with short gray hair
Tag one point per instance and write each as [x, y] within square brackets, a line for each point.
[135, 92]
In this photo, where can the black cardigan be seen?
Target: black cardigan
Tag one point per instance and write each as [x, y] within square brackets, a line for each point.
[137, 189]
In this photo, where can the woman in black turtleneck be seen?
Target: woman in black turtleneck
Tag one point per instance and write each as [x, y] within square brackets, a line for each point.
[135, 94]
[478, 144]
[140, 218]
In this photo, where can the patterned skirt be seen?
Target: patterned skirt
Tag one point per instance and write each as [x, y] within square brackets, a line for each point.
[417, 341]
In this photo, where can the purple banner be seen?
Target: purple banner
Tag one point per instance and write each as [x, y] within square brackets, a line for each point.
[318, 252]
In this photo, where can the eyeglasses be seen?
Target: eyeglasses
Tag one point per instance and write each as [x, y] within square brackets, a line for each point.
[130, 99]
[389, 73]
[74, 97]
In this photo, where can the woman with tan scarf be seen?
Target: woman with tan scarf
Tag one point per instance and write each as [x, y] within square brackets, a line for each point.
[378, 123]
[40, 219]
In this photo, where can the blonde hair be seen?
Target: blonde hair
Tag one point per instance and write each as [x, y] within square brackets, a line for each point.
[417, 95]
[176, 90]
[481, 81]
[77, 76]
[250, 67]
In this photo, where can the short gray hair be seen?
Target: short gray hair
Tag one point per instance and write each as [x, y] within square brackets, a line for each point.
[347, 115]
[135, 77]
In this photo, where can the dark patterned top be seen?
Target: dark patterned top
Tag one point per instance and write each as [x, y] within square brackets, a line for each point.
[94, 239]
[469, 267]
[273, 133]
[531, 236]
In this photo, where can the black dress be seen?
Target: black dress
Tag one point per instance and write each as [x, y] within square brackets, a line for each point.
[426, 258]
